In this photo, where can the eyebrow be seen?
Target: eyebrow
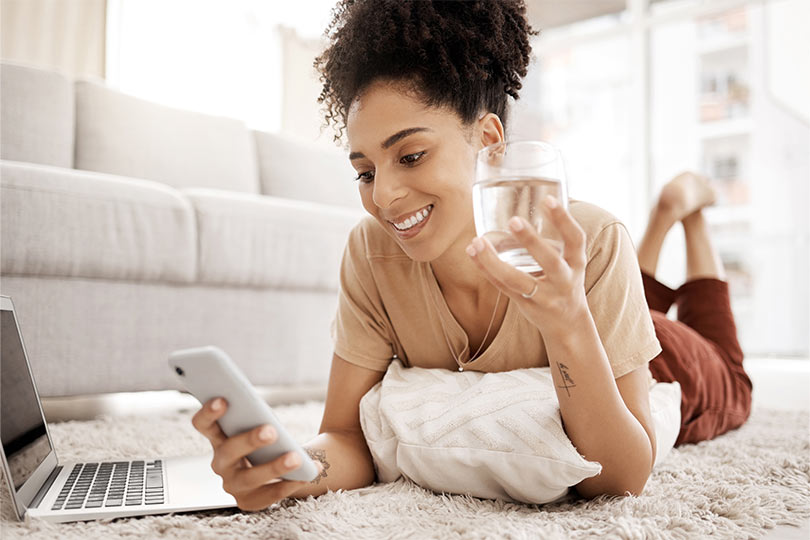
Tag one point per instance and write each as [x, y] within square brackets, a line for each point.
[392, 140]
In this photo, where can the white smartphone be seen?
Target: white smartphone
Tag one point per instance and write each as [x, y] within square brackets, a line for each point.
[207, 372]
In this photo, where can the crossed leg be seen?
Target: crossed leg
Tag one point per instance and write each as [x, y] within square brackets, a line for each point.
[682, 199]
[700, 349]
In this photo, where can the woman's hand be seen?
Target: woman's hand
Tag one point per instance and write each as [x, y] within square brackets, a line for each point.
[555, 301]
[253, 487]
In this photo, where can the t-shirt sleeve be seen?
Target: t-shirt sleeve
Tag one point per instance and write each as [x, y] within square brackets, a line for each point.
[361, 329]
[615, 295]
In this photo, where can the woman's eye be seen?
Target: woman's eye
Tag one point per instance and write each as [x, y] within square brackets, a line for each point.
[410, 159]
[365, 177]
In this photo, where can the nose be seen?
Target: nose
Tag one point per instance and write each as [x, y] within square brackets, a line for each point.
[387, 189]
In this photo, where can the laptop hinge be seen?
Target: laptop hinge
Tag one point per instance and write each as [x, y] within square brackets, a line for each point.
[45, 487]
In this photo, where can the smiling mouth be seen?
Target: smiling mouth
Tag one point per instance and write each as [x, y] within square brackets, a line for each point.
[414, 220]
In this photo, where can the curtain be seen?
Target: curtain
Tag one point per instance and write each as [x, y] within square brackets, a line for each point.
[66, 36]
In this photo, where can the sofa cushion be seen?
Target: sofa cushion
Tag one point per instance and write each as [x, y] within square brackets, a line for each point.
[121, 134]
[67, 223]
[259, 241]
[297, 169]
[36, 116]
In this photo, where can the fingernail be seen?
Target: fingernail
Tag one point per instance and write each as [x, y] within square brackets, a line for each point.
[516, 224]
[478, 245]
[551, 202]
[216, 405]
[291, 460]
[266, 433]
[471, 251]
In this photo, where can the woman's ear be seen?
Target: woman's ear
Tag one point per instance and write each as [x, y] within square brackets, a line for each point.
[490, 129]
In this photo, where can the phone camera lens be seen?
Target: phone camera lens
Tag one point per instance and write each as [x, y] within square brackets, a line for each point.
[179, 371]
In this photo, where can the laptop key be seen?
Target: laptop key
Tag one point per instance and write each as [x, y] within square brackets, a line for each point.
[114, 502]
[154, 481]
[93, 504]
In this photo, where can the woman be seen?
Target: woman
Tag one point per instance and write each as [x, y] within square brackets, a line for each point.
[419, 87]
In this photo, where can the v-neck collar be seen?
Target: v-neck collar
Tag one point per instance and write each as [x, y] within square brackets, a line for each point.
[455, 332]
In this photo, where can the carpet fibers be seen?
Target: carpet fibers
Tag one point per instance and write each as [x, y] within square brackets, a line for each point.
[737, 486]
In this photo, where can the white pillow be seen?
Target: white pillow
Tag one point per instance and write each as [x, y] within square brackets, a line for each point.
[489, 435]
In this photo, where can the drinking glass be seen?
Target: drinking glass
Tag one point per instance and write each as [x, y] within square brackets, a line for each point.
[512, 179]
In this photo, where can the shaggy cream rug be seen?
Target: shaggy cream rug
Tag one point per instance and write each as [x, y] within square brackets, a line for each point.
[736, 486]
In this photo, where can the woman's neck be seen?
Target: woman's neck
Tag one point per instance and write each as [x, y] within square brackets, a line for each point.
[455, 271]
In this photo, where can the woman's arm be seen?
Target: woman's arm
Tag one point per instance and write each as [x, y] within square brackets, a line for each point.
[340, 446]
[595, 416]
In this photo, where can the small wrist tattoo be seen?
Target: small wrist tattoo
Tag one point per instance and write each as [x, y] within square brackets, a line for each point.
[317, 454]
[568, 382]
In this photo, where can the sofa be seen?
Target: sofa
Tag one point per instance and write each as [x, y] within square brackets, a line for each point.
[129, 229]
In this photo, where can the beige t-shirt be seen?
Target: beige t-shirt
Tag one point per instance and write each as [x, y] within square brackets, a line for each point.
[392, 305]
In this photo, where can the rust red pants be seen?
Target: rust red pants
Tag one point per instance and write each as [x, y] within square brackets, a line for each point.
[701, 352]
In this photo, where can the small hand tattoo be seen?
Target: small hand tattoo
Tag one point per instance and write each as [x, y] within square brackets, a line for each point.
[320, 455]
[568, 382]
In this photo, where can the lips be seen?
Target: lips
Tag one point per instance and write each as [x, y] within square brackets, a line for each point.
[409, 225]
[406, 223]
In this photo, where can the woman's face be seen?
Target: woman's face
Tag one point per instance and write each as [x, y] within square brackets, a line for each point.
[415, 167]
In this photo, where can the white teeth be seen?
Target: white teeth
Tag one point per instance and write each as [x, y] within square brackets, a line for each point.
[414, 219]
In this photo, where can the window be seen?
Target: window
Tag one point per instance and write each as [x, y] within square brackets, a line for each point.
[212, 56]
[688, 85]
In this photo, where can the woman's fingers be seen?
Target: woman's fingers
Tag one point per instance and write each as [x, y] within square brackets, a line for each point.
[248, 479]
[572, 234]
[229, 454]
[504, 276]
[205, 420]
[545, 253]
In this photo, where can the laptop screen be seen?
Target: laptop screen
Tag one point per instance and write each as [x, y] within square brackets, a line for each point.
[22, 426]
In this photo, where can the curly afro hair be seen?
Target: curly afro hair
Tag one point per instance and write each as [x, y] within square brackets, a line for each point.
[468, 56]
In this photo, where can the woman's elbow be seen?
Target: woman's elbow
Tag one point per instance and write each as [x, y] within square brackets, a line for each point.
[602, 485]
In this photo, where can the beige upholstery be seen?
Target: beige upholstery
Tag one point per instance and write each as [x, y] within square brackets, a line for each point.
[157, 238]
[120, 134]
[256, 241]
[287, 169]
[61, 222]
[42, 102]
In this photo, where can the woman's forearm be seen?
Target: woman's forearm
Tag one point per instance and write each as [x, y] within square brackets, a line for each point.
[594, 415]
[346, 461]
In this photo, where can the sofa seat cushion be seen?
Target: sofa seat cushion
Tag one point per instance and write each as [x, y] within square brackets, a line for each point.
[121, 134]
[259, 241]
[67, 223]
[36, 116]
[298, 169]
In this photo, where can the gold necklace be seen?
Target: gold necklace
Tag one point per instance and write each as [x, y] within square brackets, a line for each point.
[456, 357]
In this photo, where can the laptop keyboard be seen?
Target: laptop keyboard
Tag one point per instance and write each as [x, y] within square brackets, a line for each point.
[117, 483]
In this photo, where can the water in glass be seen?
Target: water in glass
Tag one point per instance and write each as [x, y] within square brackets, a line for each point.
[497, 200]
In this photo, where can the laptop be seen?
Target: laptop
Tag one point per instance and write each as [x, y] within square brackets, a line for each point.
[44, 488]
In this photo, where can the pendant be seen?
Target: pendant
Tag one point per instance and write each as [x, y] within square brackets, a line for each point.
[460, 368]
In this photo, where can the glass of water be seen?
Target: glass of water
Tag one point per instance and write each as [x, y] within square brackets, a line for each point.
[512, 179]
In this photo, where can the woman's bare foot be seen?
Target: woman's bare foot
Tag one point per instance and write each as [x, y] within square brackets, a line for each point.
[684, 195]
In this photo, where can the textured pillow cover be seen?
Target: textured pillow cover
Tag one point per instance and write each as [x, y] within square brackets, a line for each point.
[489, 435]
